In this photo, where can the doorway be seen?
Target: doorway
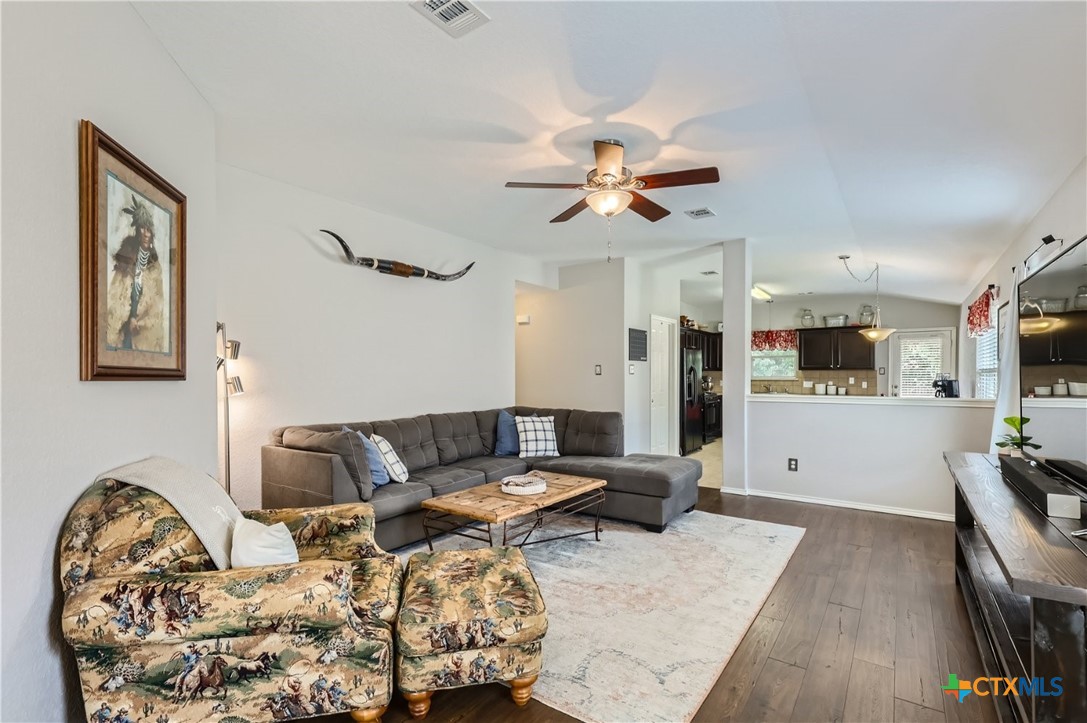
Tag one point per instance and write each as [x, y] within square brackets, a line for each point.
[663, 383]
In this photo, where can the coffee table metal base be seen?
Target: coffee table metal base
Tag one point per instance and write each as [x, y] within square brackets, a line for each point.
[437, 522]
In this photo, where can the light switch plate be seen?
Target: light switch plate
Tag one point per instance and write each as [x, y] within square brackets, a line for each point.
[597, 370]
[631, 369]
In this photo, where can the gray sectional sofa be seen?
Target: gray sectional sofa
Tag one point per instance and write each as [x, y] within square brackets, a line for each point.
[450, 452]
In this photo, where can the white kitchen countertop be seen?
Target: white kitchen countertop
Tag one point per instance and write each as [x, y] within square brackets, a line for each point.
[1028, 402]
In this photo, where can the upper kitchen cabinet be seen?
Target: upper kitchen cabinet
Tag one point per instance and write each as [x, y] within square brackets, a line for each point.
[1066, 343]
[842, 348]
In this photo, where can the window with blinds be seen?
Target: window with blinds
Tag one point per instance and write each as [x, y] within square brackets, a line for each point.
[920, 357]
[986, 365]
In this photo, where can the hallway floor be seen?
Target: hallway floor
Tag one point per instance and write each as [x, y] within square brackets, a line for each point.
[710, 457]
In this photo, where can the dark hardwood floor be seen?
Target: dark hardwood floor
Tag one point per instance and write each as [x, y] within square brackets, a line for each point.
[864, 625]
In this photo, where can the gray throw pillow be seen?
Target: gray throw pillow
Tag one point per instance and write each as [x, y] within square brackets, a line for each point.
[345, 444]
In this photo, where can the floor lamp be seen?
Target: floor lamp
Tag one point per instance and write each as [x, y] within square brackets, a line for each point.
[233, 385]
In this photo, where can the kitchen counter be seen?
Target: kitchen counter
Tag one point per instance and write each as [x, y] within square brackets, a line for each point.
[870, 401]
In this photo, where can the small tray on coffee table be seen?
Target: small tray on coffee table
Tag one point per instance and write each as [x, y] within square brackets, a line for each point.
[519, 516]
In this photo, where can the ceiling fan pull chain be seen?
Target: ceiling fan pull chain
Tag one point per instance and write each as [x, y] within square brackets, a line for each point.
[609, 239]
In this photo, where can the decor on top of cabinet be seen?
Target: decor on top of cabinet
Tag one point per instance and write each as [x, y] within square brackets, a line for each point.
[395, 268]
[875, 333]
[807, 319]
[131, 265]
[867, 316]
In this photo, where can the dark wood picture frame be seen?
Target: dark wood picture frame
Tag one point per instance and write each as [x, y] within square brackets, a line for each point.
[131, 301]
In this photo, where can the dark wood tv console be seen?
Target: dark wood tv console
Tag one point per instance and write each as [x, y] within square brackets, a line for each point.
[1024, 579]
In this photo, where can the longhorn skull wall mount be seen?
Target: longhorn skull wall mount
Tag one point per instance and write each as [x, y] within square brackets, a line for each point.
[395, 268]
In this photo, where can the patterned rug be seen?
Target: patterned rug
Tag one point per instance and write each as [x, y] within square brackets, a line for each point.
[642, 624]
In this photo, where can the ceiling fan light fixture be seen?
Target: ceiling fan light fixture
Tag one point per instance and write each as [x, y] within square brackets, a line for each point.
[609, 202]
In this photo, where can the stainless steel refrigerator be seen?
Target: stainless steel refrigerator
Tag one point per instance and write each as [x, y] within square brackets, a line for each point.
[690, 427]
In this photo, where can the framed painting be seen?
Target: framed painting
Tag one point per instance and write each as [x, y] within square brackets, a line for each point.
[131, 265]
[1001, 328]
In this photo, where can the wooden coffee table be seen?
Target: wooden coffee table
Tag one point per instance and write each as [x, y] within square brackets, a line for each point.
[519, 515]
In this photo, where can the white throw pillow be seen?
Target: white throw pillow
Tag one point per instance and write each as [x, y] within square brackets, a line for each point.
[536, 436]
[397, 471]
[256, 544]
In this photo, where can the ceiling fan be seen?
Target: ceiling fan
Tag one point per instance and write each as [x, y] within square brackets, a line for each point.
[612, 187]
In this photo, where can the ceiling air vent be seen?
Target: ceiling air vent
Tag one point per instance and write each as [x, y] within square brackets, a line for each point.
[697, 213]
[456, 17]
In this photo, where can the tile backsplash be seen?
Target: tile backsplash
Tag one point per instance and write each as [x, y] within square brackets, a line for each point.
[839, 378]
[1049, 374]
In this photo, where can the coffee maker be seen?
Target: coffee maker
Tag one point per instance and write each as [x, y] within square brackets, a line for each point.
[946, 387]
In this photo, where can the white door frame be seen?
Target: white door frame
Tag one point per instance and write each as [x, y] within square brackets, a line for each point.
[673, 381]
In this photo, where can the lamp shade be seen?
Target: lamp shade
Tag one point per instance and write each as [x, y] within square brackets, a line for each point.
[877, 334]
[234, 386]
[609, 202]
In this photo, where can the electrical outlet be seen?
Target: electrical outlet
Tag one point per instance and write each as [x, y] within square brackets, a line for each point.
[864, 385]
[852, 380]
[597, 370]
[793, 466]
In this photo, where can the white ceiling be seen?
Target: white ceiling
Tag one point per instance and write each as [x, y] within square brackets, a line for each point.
[921, 135]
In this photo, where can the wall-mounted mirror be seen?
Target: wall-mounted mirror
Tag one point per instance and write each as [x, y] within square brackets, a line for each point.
[1053, 354]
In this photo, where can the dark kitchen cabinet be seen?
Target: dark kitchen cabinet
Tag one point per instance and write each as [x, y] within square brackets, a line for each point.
[816, 349]
[709, 343]
[841, 348]
[1065, 344]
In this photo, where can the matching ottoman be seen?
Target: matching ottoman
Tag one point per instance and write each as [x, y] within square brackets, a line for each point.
[468, 617]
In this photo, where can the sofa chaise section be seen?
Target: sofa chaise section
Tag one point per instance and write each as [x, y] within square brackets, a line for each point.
[450, 452]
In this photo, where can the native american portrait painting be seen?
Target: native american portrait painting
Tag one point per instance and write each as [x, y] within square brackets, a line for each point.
[132, 225]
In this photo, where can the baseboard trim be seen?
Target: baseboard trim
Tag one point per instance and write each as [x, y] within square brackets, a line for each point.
[906, 512]
[924, 514]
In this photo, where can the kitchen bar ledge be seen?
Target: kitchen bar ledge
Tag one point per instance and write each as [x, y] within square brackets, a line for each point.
[868, 400]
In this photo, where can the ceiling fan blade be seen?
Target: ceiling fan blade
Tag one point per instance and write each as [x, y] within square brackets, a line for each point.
[609, 157]
[649, 209]
[571, 212]
[516, 184]
[692, 177]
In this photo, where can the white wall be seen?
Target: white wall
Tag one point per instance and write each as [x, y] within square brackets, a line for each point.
[877, 453]
[1059, 425]
[1064, 216]
[61, 63]
[637, 420]
[702, 313]
[896, 311]
[574, 328]
[324, 341]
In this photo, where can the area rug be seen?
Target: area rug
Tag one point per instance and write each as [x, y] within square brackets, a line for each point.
[640, 624]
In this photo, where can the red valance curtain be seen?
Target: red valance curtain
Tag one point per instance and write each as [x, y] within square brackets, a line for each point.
[774, 340]
[980, 318]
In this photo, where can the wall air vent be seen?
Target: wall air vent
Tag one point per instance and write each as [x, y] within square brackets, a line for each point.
[711, 272]
[697, 213]
[456, 17]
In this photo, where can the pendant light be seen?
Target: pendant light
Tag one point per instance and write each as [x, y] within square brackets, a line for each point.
[876, 333]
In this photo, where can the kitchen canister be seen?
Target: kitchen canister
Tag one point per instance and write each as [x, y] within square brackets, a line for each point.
[832, 388]
[820, 388]
[842, 391]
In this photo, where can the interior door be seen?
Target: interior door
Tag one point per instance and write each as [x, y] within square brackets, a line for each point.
[661, 387]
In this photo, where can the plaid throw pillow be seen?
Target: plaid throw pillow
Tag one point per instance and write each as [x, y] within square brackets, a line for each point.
[397, 471]
[536, 436]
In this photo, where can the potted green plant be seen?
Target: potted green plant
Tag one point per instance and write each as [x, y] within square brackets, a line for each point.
[1015, 443]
